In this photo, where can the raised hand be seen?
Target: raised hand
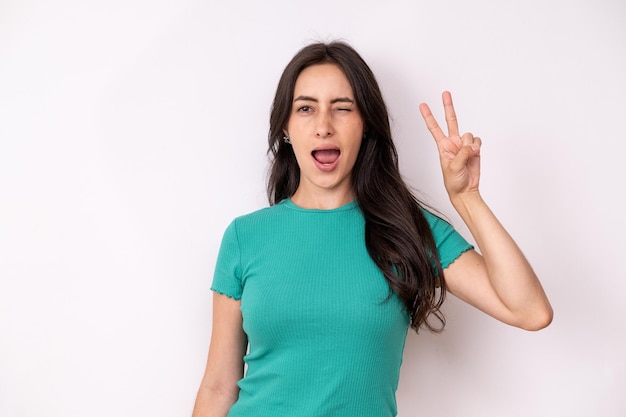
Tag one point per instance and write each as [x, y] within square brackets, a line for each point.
[459, 155]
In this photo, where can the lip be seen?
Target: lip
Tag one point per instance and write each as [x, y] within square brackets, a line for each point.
[326, 167]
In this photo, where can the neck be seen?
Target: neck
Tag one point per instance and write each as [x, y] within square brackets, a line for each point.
[323, 200]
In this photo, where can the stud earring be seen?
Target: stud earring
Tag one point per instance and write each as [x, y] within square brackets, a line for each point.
[286, 139]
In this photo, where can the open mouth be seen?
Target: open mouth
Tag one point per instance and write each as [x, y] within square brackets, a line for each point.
[326, 157]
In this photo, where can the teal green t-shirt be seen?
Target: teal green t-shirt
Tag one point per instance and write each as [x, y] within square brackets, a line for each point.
[325, 340]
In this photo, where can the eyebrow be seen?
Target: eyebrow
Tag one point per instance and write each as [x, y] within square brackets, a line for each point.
[333, 101]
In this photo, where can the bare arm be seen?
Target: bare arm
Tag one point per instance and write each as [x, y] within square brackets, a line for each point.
[218, 390]
[499, 282]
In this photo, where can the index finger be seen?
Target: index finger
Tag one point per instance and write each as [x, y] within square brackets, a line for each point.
[451, 120]
[431, 122]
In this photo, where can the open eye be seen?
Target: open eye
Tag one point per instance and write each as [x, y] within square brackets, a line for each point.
[304, 109]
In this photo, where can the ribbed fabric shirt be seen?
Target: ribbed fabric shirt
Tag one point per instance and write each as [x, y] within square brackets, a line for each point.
[325, 336]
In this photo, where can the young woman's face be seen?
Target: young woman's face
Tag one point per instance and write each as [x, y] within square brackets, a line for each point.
[325, 128]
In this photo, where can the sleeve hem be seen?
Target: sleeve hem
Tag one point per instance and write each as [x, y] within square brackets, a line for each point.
[449, 262]
[227, 294]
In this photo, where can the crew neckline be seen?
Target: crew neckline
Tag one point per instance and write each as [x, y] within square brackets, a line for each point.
[287, 202]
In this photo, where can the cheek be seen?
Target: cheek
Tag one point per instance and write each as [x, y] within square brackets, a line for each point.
[300, 153]
[357, 127]
[290, 126]
[355, 147]
[357, 139]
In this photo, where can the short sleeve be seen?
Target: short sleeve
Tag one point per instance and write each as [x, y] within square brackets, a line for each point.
[227, 276]
[450, 244]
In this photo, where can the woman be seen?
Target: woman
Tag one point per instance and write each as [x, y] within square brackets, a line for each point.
[320, 288]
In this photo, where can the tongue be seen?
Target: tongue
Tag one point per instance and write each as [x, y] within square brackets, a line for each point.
[326, 156]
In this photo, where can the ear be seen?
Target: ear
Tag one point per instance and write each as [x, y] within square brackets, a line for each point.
[285, 132]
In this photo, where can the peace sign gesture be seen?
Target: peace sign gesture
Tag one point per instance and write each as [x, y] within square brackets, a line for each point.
[459, 154]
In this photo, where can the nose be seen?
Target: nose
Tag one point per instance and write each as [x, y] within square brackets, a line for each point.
[324, 128]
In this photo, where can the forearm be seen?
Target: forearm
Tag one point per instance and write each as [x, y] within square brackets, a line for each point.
[510, 274]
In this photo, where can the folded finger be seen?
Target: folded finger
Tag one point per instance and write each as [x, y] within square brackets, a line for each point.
[467, 139]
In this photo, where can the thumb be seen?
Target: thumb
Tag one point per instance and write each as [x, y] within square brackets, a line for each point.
[465, 154]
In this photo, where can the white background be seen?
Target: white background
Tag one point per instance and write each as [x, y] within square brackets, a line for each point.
[132, 132]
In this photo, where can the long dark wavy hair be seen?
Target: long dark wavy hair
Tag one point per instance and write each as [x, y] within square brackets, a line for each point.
[397, 235]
